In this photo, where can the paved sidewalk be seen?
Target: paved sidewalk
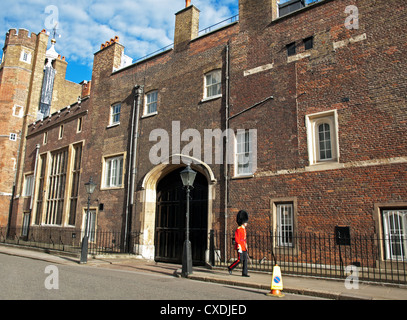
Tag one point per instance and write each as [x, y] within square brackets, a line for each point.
[330, 289]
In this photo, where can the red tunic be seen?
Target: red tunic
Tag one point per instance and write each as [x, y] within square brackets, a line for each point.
[240, 238]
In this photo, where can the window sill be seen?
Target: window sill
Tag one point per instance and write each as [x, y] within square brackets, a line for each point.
[243, 176]
[328, 165]
[113, 125]
[211, 98]
[299, 56]
[111, 188]
[148, 115]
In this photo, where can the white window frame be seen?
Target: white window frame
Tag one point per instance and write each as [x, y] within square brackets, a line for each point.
[244, 153]
[395, 233]
[113, 121]
[113, 176]
[13, 136]
[79, 125]
[25, 56]
[18, 111]
[28, 185]
[209, 85]
[57, 184]
[285, 224]
[284, 230]
[324, 128]
[14, 163]
[149, 102]
[313, 122]
[61, 132]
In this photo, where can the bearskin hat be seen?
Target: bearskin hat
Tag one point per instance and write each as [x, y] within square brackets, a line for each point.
[242, 217]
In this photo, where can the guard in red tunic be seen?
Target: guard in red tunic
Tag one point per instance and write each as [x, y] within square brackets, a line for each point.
[240, 242]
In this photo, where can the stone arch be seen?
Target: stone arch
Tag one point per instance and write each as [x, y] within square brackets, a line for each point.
[148, 198]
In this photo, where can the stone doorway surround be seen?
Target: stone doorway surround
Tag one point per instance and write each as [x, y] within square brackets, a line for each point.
[148, 200]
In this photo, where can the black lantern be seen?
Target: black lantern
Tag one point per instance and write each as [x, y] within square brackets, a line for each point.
[90, 186]
[188, 177]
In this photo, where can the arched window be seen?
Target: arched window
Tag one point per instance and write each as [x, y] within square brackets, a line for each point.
[322, 137]
[324, 141]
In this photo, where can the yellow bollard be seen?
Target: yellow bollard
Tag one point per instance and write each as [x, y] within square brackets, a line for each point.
[276, 283]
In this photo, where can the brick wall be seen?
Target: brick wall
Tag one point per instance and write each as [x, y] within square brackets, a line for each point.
[178, 76]
[360, 74]
[51, 126]
[20, 85]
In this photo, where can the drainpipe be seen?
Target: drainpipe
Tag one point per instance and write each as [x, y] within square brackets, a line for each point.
[227, 146]
[37, 151]
[13, 193]
[132, 169]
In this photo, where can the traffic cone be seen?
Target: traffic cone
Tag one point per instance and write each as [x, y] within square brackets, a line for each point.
[276, 283]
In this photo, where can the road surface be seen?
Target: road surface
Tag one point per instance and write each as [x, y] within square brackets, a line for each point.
[29, 279]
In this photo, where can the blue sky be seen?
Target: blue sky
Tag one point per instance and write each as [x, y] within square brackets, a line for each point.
[143, 26]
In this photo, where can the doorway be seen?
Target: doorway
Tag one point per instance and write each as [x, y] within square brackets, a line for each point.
[171, 219]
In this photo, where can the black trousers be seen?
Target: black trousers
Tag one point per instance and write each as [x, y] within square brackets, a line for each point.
[242, 257]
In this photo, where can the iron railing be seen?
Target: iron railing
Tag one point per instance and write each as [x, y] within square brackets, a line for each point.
[317, 255]
[69, 239]
[219, 25]
[202, 32]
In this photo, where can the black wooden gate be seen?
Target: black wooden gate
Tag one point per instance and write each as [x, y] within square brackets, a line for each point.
[171, 219]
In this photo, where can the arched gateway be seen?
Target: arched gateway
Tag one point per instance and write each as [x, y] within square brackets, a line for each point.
[163, 209]
[171, 218]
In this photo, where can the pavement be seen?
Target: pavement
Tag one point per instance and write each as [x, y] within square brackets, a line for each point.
[329, 289]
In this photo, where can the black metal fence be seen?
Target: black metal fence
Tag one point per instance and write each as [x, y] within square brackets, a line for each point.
[69, 239]
[367, 258]
[320, 255]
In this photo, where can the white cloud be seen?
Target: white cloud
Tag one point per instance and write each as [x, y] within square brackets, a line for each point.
[142, 25]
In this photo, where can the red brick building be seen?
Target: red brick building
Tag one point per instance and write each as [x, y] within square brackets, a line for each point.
[320, 93]
[21, 84]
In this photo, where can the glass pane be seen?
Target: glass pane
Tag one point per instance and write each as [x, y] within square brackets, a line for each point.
[92, 225]
[285, 224]
[108, 172]
[213, 84]
[120, 173]
[152, 107]
[395, 234]
[324, 136]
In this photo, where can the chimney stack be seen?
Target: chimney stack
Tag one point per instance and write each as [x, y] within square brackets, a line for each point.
[186, 26]
[255, 15]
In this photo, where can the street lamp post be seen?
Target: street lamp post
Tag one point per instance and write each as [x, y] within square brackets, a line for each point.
[90, 187]
[188, 177]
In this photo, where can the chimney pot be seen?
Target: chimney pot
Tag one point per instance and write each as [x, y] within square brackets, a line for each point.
[187, 3]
